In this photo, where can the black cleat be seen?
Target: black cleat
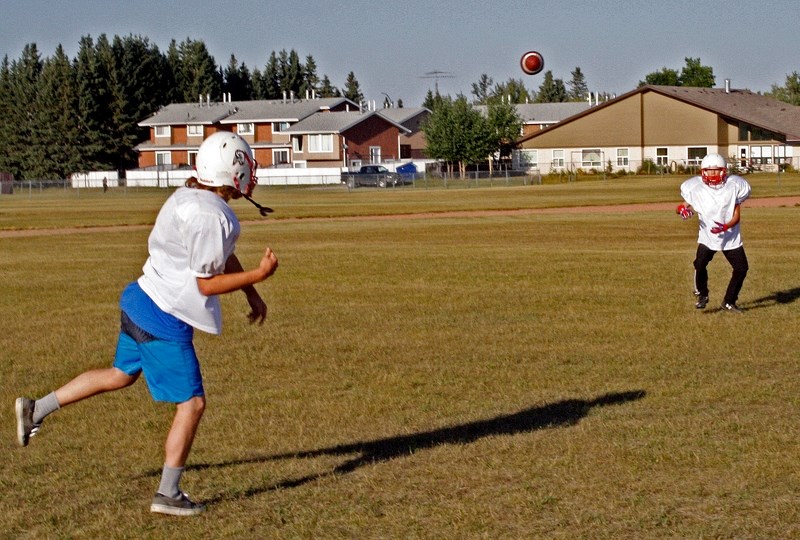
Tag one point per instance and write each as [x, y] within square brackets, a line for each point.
[731, 308]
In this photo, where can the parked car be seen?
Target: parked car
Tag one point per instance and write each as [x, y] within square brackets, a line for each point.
[371, 175]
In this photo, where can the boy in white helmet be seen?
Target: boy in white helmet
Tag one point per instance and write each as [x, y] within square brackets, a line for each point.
[716, 198]
[191, 261]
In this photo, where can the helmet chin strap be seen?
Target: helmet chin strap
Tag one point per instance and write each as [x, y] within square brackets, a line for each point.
[264, 210]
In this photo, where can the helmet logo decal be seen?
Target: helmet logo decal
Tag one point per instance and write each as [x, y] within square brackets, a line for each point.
[239, 158]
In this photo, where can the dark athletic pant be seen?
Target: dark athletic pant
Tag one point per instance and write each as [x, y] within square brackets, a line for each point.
[738, 261]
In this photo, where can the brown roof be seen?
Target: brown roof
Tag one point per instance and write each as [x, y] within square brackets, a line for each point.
[755, 109]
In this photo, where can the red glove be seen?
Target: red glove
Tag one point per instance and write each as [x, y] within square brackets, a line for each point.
[720, 228]
[684, 211]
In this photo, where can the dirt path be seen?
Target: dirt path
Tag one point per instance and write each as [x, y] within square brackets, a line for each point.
[770, 202]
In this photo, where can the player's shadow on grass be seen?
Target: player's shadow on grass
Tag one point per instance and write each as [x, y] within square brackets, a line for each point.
[559, 414]
[774, 299]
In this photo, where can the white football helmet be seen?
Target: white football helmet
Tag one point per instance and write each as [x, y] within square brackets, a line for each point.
[714, 170]
[225, 159]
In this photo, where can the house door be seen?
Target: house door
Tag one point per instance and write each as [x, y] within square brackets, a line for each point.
[374, 154]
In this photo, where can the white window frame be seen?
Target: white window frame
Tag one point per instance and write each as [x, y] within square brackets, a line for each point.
[623, 157]
[299, 164]
[163, 158]
[278, 127]
[662, 156]
[558, 159]
[586, 158]
[297, 143]
[245, 128]
[280, 152]
[163, 131]
[194, 130]
[320, 143]
[192, 154]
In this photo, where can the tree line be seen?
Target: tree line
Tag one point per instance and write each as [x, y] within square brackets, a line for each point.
[60, 115]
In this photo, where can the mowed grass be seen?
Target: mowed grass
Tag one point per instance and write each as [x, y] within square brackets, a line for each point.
[527, 376]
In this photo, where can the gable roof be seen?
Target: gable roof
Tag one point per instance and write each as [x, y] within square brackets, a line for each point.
[233, 112]
[337, 122]
[755, 109]
[401, 115]
[742, 105]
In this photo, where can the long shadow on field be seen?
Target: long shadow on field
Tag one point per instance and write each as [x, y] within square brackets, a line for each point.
[560, 414]
[780, 297]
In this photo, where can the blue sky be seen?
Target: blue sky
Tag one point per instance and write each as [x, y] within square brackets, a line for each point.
[391, 45]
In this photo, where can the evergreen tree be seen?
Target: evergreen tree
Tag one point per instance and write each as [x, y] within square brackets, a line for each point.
[352, 91]
[145, 80]
[432, 101]
[578, 89]
[7, 162]
[237, 81]
[513, 91]
[56, 133]
[175, 71]
[327, 90]
[551, 90]
[310, 84]
[24, 77]
[198, 72]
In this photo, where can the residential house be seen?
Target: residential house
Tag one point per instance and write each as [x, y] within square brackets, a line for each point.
[671, 127]
[177, 130]
[345, 139]
[413, 143]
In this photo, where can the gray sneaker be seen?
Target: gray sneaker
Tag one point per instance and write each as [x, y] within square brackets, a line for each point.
[179, 506]
[702, 302]
[25, 426]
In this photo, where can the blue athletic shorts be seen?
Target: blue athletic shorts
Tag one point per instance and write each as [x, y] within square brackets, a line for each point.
[171, 368]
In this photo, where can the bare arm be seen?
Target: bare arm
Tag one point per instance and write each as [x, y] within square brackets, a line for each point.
[237, 278]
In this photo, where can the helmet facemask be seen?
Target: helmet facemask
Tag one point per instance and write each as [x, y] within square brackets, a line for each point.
[714, 177]
[714, 170]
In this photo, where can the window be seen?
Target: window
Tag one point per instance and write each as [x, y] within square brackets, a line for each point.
[558, 159]
[277, 127]
[528, 158]
[163, 131]
[245, 128]
[280, 156]
[374, 154]
[297, 143]
[192, 158]
[194, 130]
[320, 142]
[622, 157]
[696, 154]
[591, 158]
[662, 156]
[163, 158]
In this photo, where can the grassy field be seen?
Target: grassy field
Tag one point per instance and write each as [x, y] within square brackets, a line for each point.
[527, 376]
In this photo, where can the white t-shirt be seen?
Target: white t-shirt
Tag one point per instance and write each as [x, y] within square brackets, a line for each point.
[194, 234]
[712, 205]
